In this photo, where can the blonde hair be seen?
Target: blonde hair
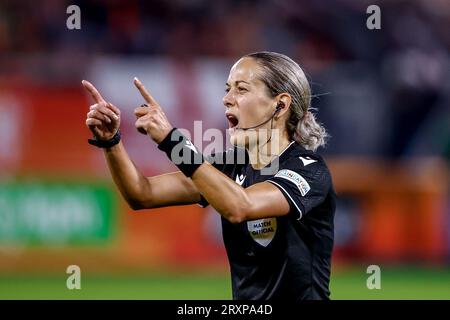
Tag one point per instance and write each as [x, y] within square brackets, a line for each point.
[281, 74]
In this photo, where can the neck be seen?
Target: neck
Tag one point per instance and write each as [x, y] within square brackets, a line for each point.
[262, 153]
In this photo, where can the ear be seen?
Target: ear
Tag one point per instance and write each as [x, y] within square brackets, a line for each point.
[283, 103]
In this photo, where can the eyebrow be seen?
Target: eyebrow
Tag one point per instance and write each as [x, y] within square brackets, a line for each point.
[237, 82]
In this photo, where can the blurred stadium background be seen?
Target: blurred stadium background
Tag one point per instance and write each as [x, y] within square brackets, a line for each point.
[385, 102]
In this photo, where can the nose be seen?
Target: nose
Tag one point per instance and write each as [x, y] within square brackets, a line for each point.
[228, 100]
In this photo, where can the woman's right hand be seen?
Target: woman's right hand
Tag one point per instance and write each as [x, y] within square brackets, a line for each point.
[103, 118]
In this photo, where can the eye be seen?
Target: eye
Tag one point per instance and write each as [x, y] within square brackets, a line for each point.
[227, 90]
[242, 89]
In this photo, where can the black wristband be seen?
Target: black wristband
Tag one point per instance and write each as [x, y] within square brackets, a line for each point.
[108, 143]
[182, 152]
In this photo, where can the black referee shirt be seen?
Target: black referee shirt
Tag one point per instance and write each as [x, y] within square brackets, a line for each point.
[288, 257]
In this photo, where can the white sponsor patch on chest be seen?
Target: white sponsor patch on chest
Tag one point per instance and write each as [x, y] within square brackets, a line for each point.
[262, 230]
[296, 179]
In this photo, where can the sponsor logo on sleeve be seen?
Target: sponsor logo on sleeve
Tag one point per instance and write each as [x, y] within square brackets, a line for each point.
[296, 179]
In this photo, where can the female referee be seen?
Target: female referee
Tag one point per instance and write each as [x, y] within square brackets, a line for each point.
[277, 226]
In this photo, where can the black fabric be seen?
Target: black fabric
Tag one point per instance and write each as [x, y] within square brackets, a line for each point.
[289, 257]
[182, 152]
[108, 143]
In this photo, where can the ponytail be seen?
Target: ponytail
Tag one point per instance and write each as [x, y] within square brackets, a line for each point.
[308, 132]
[282, 74]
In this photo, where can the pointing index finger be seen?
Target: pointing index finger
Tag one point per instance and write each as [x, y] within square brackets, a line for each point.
[145, 94]
[93, 91]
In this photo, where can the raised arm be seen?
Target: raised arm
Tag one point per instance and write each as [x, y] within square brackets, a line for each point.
[232, 201]
[140, 192]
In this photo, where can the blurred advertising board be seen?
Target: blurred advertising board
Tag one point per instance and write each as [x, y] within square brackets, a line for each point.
[56, 213]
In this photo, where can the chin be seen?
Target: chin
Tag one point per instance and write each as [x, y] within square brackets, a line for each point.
[234, 139]
[239, 139]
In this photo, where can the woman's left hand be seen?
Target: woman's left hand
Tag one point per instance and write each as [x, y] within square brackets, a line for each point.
[151, 120]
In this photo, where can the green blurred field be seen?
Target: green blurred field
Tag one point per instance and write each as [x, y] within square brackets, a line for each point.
[399, 283]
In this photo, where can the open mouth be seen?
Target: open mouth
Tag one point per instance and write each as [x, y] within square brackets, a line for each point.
[232, 121]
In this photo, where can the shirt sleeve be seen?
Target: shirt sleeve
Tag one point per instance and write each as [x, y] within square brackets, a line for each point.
[304, 183]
